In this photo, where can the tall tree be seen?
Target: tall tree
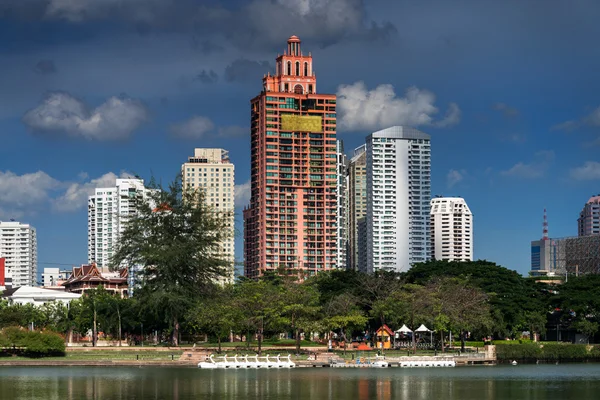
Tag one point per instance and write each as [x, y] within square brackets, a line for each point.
[260, 305]
[216, 314]
[343, 312]
[175, 236]
[300, 307]
[414, 306]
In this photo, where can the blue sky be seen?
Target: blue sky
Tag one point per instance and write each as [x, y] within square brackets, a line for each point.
[508, 91]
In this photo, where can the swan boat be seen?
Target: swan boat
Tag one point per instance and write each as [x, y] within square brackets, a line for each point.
[247, 362]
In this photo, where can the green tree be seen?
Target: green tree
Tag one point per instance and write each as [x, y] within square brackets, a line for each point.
[414, 305]
[465, 306]
[342, 312]
[175, 236]
[300, 307]
[588, 328]
[216, 314]
[260, 306]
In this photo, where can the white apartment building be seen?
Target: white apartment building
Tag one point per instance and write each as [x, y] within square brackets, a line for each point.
[451, 229]
[398, 196]
[342, 205]
[211, 171]
[18, 245]
[108, 212]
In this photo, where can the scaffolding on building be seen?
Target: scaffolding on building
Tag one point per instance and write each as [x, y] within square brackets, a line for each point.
[575, 255]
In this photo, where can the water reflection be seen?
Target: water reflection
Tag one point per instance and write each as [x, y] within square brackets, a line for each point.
[494, 383]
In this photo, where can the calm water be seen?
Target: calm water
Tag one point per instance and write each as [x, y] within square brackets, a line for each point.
[535, 382]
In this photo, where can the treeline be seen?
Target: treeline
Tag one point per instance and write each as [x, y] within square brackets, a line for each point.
[479, 298]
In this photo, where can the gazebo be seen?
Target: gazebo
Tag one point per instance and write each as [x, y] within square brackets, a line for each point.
[383, 337]
[423, 329]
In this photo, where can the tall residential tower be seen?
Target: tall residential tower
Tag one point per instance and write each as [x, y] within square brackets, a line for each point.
[588, 222]
[398, 196]
[18, 246]
[290, 225]
[451, 229]
[211, 171]
[108, 211]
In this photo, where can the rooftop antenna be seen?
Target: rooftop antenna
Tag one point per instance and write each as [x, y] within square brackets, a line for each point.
[545, 230]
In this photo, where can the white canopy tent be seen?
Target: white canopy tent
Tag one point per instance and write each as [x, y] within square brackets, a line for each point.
[403, 330]
[423, 328]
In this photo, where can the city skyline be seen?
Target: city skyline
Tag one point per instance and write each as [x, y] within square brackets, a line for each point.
[513, 117]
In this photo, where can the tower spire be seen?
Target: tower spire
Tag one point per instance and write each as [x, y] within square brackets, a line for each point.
[545, 226]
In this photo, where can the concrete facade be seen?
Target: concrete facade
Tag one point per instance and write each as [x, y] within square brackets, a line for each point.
[290, 224]
[18, 246]
[451, 229]
[211, 171]
[398, 196]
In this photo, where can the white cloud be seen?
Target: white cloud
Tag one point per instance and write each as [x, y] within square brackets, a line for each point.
[454, 176]
[587, 172]
[535, 169]
[505, 109]
[199, 127]
[360, 109]
[194, 128]
[30, 193]
[76, 195]
[115, 119]
[20, 194]
[592, 119]
[242, 194]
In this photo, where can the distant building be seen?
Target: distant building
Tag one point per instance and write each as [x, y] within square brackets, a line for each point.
[109, 209]
[89, 277]
[18, 246]
[588, 222]
[357, 203]
[212, 171]
[54, 277]
[5, 277]
[562, 256]
[38, 296]
[342, 205]
[398, 196]
[451, 229]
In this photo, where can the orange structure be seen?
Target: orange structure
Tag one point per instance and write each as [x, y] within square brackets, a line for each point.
[290, 225]
[383, 337]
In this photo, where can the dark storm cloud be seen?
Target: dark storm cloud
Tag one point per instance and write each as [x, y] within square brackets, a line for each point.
[209, 76]
[251, 24]
[243, 70]
[45, 67]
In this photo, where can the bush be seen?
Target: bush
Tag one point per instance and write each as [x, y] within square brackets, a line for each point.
[548, 352]
[31, 344]
[522, 352]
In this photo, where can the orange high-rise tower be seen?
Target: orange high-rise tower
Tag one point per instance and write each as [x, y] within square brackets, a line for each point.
[290, 225]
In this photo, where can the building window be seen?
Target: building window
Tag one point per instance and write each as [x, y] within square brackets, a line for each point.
[298, 89]
[305, 69]
[289, 68]
[297, 68]
[286, 87]
[310, 88]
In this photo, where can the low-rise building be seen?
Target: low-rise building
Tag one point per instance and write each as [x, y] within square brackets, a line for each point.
[38, 296]
[88, 277]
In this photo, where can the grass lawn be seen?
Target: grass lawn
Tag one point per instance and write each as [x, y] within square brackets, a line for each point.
[99, 355]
